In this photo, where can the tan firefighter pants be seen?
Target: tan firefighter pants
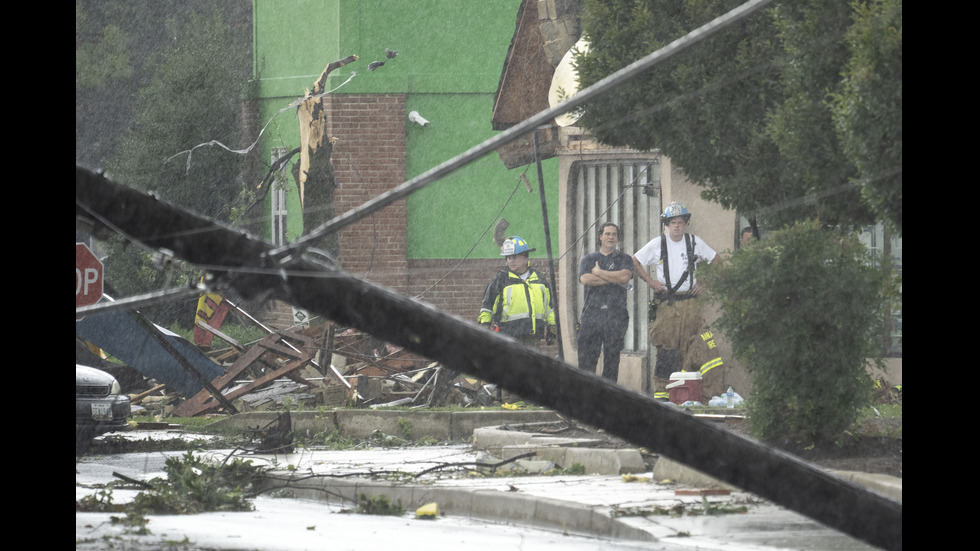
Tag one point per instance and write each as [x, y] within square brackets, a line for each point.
[679, 326]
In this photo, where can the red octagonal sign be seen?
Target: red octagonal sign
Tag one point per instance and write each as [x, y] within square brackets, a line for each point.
[88, 276]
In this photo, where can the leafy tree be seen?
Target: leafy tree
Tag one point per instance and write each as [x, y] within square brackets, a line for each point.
[812, 51]
[192, 99]
[868, 109]
[804, 310]
[106, 72]
[161, 77]
[746, 114]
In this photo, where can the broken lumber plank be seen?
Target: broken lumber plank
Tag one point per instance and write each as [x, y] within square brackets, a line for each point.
[203, 325]
[139, 397]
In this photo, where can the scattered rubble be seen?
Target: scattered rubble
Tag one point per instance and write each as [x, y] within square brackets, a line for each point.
[317, 367]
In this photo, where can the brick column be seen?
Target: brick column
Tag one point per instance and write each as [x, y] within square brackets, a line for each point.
[369, 159]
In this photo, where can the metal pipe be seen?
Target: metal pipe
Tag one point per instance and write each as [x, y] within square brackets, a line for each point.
[547, 241]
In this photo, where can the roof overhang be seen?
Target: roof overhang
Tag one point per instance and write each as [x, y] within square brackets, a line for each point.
[527, 74]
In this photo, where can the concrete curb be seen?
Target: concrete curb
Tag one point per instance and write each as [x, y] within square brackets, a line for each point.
[493, 505]
[888, 486]
[452, 426]
[668, 469]
[485, 430]
[564, 452]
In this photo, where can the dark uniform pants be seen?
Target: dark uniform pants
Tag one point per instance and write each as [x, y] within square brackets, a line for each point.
[603, 333]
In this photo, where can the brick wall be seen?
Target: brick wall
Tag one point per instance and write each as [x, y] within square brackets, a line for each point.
[369, 159]
[451, 288]
[457, 289]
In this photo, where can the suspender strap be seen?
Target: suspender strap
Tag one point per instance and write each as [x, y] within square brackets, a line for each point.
[688, 273]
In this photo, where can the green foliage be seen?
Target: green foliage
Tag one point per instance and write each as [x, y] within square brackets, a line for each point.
[868, 109]
[242, 334]
[194, 485]
[99, 502]
[192, 98]
[377, 505]
[131, 270]
[812, 51]
[744, 114]
[103, 59]
[135, 523]
[153, 79]
[406, 427]
[336, 441]
[576, 469]
[804, 310]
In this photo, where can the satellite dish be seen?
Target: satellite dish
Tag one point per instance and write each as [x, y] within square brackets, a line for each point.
[565, 83]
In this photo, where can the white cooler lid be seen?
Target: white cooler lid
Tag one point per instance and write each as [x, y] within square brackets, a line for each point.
[685, 375]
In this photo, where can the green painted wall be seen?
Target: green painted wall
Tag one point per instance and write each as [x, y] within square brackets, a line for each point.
[447, 218]
[450, 57]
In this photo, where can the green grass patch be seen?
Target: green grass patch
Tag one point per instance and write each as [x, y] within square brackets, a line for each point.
[376, 505]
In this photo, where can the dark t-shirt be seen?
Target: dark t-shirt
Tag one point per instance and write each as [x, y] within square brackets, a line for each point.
[610, 298]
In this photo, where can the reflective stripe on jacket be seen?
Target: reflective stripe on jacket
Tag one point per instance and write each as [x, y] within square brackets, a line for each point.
[518, 306]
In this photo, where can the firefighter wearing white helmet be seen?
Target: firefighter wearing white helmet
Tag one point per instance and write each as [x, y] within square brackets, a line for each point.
[677, 327]
[518, 301]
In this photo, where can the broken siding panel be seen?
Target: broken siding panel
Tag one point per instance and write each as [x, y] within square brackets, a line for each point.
[127, 338]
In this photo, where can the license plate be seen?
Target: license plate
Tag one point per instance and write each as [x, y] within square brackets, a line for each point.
[102, 412]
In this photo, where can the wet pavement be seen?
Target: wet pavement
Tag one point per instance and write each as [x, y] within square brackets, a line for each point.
[572, 512]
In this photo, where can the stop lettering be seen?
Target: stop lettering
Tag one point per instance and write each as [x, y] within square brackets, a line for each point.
[88, 276]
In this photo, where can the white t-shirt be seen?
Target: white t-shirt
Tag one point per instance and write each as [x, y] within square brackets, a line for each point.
[677, 253]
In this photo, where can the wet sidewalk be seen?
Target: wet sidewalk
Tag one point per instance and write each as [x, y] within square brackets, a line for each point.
[668, 508]
[638, 507]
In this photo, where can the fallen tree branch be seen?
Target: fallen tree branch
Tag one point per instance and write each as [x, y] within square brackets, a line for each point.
[140, 483]
[491, 466]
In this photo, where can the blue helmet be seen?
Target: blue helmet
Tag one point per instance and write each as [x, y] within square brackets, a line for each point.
[514, 245]
[673, 210]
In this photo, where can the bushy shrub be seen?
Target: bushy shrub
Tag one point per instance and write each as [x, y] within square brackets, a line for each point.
[804, 310]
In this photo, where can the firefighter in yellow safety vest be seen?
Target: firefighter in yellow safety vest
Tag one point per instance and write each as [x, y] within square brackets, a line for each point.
[518, 300]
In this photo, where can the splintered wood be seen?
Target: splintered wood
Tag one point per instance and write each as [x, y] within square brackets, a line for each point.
[266, 354]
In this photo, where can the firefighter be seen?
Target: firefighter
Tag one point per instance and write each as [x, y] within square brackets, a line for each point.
[683, 340]
[605, 275]
[518, 301]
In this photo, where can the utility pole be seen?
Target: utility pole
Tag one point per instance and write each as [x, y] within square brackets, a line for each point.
[252, 268]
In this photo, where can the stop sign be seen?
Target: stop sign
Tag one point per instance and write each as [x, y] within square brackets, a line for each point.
[88, 276]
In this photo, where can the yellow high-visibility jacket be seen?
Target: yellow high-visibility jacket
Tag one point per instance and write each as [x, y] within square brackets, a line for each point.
[519, 307]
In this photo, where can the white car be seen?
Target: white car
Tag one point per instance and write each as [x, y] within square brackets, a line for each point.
[99, 406]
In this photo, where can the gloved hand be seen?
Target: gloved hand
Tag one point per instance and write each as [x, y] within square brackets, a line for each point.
[551, 335]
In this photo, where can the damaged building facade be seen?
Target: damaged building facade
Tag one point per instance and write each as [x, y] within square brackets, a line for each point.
[442, 80]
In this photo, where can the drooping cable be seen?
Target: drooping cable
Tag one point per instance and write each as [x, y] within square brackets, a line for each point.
[528, 125]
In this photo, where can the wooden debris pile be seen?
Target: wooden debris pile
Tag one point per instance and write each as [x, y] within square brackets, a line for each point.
[323, 367]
